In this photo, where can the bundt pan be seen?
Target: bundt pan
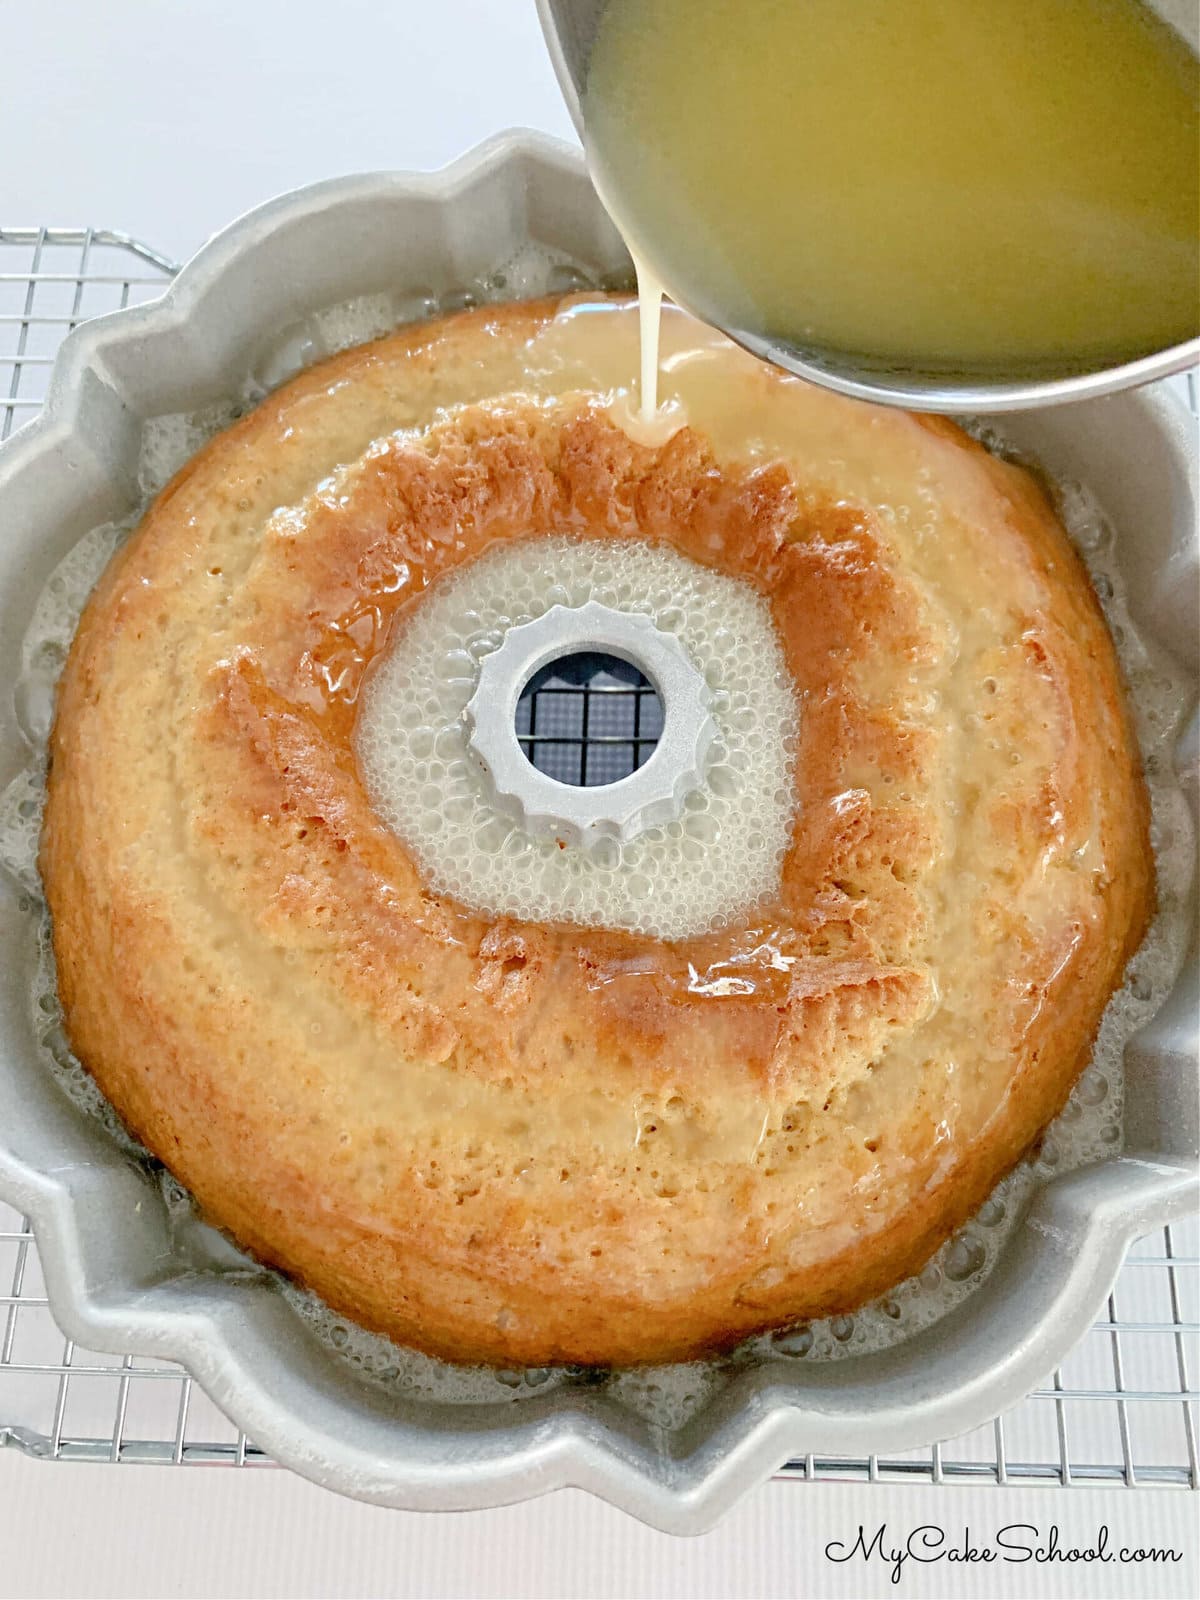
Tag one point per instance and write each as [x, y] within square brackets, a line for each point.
[117, 1275]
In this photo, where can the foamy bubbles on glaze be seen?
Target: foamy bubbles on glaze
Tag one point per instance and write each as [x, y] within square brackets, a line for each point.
[44, 650]
[53, 623]
[1088, 1129]
[724, 853]
[665, 1397]
[54, 1047]
[421, 1377]
[1160, 696]
[169, 441]
[21, 806]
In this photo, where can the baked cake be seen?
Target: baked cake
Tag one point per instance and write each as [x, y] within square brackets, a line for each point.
[518, 1138]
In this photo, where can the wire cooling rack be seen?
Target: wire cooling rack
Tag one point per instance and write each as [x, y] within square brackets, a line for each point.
[1122, 1409]
[588, 719]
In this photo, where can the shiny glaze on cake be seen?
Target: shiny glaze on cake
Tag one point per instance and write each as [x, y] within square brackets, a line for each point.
[520, 1143]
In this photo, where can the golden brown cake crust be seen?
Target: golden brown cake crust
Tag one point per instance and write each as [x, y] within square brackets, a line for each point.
[516, 1143]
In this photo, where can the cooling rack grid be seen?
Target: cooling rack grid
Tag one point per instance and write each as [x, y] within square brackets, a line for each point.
[1122, 1409]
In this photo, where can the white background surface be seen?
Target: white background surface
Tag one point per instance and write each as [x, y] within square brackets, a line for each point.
[128, 1532]
[166, 118]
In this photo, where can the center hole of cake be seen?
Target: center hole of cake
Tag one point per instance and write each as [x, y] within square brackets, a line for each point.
[588, 718]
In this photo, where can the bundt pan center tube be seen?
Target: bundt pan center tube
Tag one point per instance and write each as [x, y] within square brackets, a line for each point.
[575, 815]
[124, 1275]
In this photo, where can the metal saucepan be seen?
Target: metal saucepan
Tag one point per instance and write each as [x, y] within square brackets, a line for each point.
[570, 27]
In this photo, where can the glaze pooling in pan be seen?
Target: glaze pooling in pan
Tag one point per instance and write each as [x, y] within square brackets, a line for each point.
[940, 436]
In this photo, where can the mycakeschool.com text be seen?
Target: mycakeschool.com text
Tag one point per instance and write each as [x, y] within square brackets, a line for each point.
[903, 1550]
